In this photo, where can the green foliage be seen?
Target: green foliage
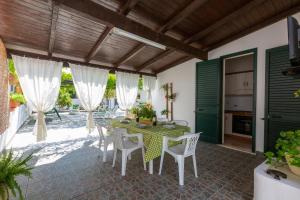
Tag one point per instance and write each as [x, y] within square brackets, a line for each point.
[110, 91]
[297, 93]
[144, 110]
[64, 98]
[11, 68]
[17, 98]
[10, 168]
[287, 144]
[140, 84]
[164, 112]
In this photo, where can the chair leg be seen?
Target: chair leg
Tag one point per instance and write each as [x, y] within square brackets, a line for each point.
[161, 162]
[105, 150]
[181, 170]
[115, 155]
[195, 166]
[124, 162]
[143, 155]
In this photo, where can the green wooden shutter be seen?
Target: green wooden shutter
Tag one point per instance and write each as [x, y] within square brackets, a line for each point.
[208, 100]
[282, 108]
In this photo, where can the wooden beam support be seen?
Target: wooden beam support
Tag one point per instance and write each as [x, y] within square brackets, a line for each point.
[172, 64]
[97, 46]
[66, 61]
[128, 6]
[185, 12]
[226, 19]
[87, 8]
[54, 17]
[154, 59]
[130, 55]
[269, 21]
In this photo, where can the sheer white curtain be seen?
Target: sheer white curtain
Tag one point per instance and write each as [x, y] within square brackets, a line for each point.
[90, 84]
[126, 89]
[149, 85]
[40, 83]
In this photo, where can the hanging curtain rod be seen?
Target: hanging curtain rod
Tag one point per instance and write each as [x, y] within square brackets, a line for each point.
[67, 61]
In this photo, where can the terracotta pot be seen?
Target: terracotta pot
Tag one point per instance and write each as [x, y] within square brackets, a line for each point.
[13, 104]
[4, 188]
[145, 121]
[294, 169]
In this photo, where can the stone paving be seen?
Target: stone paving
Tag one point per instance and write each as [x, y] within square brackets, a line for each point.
[69, 166]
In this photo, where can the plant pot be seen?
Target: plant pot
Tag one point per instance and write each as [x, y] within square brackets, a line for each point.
[4, 188]
[294, 169]
[145, 121]
[13, 105]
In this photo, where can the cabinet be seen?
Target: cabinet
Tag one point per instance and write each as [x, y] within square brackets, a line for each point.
[239, 84]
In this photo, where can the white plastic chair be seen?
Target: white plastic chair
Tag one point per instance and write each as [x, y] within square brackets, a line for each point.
[126, 146]
[180, 152]
[106, 138]
[181, 122]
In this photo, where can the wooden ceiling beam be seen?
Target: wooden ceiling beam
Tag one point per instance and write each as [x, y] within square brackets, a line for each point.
[67, 61]
[179, 16]
[173, 64]
[130, 55]
[98, 44]
[128, 6]
[269, 21]
[124, 11]
[54, 17]
[87, 8]
[245, 9]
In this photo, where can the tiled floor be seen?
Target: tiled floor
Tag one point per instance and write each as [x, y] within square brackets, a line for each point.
[72, 169]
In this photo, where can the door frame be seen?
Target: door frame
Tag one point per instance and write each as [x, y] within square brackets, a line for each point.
[222, 58]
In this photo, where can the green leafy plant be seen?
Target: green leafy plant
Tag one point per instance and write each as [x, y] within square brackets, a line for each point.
[164, 112]
[11, 167]
[172, 96]
[144, 110]
[297, 93]
[288, 144]
[64, 98]
[11, 69]
[17, 98]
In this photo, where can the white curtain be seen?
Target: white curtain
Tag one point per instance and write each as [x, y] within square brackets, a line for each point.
[90, 84]
[149, 85]
[40, 83]
[126, 89]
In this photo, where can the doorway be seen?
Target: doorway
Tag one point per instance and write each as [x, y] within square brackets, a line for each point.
[238, 121]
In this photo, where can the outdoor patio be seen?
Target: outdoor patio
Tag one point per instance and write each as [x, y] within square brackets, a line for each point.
[71, 168]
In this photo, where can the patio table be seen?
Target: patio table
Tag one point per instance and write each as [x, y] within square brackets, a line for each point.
[153, 137]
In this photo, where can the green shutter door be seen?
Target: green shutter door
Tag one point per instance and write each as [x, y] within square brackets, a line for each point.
[208, 100]
[282, 108]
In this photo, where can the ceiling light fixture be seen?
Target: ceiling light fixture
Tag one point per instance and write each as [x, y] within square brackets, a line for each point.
[138, 38]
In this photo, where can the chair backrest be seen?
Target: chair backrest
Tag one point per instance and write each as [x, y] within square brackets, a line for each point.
[103, 132]
[181, 122]
[118, 137]
[191, 143]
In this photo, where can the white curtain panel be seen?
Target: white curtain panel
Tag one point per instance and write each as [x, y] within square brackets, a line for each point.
[126, 89]
[40, 83]
[90, 84]
[149, 85]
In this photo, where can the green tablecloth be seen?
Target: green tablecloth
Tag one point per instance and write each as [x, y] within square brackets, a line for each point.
[153, 136]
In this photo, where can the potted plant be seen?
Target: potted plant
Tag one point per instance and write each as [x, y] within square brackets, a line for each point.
[146, 113]
[10, 168]
[135, 111]
[172, 97]
[64, 98]
[287, 151]
[15, 100]
[164, 113]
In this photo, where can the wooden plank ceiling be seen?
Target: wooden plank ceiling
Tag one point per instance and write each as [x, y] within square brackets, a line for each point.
[81, 30]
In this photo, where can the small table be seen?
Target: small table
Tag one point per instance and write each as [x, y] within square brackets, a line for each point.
[153, 137]
[266, 187]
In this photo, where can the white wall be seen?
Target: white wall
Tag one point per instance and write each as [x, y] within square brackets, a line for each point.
[183, 76]
[16, 120]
